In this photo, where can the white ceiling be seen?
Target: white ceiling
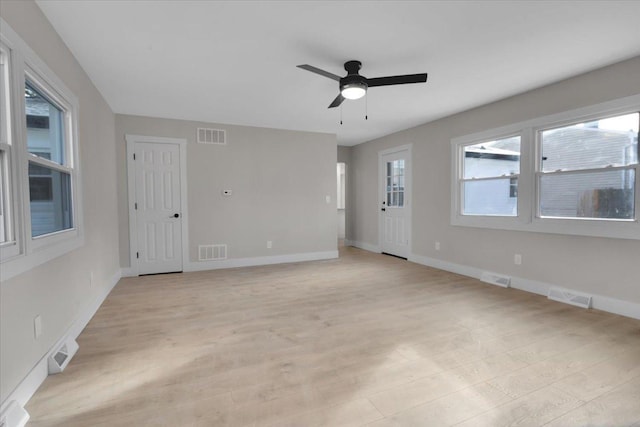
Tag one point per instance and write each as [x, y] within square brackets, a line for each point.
[235, 62]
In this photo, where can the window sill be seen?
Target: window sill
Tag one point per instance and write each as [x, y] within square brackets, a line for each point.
[20, 264]
[568, 226]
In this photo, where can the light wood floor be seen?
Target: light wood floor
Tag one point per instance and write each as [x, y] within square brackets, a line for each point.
[364, 340]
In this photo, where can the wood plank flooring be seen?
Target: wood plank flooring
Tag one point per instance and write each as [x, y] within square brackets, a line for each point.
[365, 340]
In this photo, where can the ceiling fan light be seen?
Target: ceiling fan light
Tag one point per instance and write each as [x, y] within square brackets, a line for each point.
[353, 90]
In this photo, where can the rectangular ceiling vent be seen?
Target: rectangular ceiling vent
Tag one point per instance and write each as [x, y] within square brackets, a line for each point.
[496, 279]
[570, 297]
[212, 136]
[212, 252]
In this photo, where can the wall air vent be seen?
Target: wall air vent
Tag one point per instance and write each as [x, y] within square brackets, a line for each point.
[570, 297]
[212, 252]
[496, 279]
[212, 136]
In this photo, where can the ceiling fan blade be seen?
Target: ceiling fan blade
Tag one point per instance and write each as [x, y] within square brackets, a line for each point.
[319, 71]
[397, 80]
[336, 102]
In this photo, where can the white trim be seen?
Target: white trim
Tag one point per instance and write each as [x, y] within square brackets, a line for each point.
[256, 261]
[30, 384]
[599, 302]
[408, 195]
[128, 272]
[131, 186]
[528, 186]
[362, 245]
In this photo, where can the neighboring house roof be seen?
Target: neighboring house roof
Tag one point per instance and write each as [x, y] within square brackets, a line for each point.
[487, 151]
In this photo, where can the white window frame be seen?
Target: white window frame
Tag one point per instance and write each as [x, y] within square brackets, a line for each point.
[27, 251]
[528, 218]
[461, 179]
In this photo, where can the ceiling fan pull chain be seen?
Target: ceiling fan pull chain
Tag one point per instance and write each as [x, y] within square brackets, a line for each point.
[366, 108]
[341, 114]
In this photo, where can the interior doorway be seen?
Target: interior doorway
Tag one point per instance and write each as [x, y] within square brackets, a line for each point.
[341, 201]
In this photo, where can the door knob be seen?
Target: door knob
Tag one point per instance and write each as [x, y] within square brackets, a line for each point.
[176, 215]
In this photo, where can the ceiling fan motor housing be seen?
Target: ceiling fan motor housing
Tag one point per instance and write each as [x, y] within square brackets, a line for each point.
[353, 79]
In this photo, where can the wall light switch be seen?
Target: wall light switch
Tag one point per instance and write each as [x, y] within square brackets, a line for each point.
[327, 199]
[437, 246]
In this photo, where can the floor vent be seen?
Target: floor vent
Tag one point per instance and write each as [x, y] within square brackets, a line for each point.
[60, 358]
[496, 279]
[570, 297]
[14, 416]
[212, 252]
[212, 136]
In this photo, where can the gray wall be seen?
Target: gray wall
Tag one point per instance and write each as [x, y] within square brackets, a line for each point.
[60, 289]
[279, 180]
[597, 265]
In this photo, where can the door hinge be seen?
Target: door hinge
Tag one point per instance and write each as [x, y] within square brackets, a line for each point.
[134, 156]
[135, 205]
[137, 254]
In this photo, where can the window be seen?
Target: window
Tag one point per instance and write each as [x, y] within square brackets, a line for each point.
[40, 210]
[6, 224]
[50, 192]
[570, 173]
[587, 169]
[490, 177]
[395, 184]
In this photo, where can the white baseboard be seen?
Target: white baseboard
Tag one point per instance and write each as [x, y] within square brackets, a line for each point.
[361, 245]
[447, 266]
[129, 272]
[30, 384]
[255, 261]
[599, 302]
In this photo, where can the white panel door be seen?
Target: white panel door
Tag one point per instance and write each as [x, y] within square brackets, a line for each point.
[394, 210]
[158, 216]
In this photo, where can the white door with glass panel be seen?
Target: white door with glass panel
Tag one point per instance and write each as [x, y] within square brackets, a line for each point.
[394, 209]
[157, 208]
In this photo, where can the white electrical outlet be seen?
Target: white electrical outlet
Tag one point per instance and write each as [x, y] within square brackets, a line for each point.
[37, 326]
[437, 245]
[517, 259]
[269, 244]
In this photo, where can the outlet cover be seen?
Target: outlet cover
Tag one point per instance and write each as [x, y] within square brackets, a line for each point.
[517, 259]
[37, 326]
[269, 244]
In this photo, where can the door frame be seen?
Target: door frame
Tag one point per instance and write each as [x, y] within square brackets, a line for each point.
[408, 201]
[131, 186]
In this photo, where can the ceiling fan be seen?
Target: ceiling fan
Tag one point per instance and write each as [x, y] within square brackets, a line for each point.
[354, 86]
